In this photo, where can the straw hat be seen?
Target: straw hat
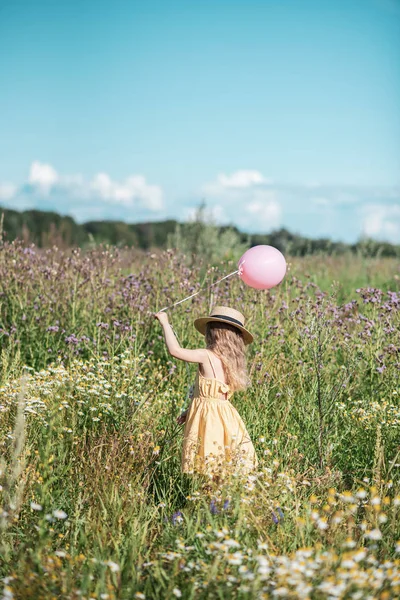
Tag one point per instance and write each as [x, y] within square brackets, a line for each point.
[224, 314]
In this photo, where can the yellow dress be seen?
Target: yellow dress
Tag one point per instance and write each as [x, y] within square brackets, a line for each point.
[214, 433]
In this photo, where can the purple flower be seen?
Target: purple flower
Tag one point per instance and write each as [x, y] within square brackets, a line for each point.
[72, 339]
[213, 507]
[277, 518]
[177, 517]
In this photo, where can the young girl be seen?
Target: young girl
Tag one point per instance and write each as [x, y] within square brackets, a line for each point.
[213, 427]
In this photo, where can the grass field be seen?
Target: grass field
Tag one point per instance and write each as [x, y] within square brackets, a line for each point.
[92, 501]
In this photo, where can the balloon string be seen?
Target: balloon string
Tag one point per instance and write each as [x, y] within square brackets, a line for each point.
[200, 290]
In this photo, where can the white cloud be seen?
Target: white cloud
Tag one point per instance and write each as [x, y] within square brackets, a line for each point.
[381, 222]
[7, 191]
[241, 179]
[134, 192]
[268, 213]
[246, 199]
[128, 192]
[264, 209]
[214, 214]
[218, 213]
[238, 180]
[42, 176]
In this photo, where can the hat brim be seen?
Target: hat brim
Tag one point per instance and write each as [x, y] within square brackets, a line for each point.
[201, 323]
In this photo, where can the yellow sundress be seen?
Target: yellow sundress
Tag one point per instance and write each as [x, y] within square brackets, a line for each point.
[214, 432]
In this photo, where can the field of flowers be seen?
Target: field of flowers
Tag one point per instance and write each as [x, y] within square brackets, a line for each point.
[92, 501]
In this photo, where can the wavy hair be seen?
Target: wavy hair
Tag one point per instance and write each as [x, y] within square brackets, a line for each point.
[226, 341]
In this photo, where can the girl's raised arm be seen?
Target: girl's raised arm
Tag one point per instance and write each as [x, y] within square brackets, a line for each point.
[174, 348]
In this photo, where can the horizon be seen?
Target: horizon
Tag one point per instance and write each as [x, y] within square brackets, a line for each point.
[279, 229]
[278, 115]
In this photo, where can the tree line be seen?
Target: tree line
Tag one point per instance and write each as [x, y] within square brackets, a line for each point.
[45, 229]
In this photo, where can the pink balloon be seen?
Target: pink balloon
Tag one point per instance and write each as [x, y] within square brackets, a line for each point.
[262, 267]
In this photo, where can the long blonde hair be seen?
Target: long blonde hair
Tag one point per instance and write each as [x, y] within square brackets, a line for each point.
[226, 341]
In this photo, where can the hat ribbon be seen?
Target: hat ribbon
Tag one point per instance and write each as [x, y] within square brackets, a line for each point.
[225, 318]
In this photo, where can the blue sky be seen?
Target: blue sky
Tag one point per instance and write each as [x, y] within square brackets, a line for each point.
[276, 112]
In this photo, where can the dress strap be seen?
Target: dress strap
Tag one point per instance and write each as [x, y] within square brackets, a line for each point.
[211, 363]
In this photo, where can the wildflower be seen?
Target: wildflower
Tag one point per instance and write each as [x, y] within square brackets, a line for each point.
[347, 497]
[113, 566]
[177, 517]
[347, 563]
[382, 518]
[281, 592]
[236, 558]
[140, 596]
[177, 592]
[7, 594]
[35, 506]
[262, 546]
[359, 555]
[375, 534]
[322, 524]
[60, 514]
[171, 555]
[213, 507]
[232, 543]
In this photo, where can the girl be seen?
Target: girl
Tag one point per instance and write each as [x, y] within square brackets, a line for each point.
[214, 431]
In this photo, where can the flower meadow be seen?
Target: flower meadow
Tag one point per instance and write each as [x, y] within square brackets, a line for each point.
[92, 501]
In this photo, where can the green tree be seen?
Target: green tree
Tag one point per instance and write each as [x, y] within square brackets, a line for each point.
[202, 237]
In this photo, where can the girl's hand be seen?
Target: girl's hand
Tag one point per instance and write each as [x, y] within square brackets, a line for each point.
[162, 317]
[182, 418]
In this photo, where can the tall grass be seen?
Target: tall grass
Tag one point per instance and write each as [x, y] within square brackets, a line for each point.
[93, 503]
